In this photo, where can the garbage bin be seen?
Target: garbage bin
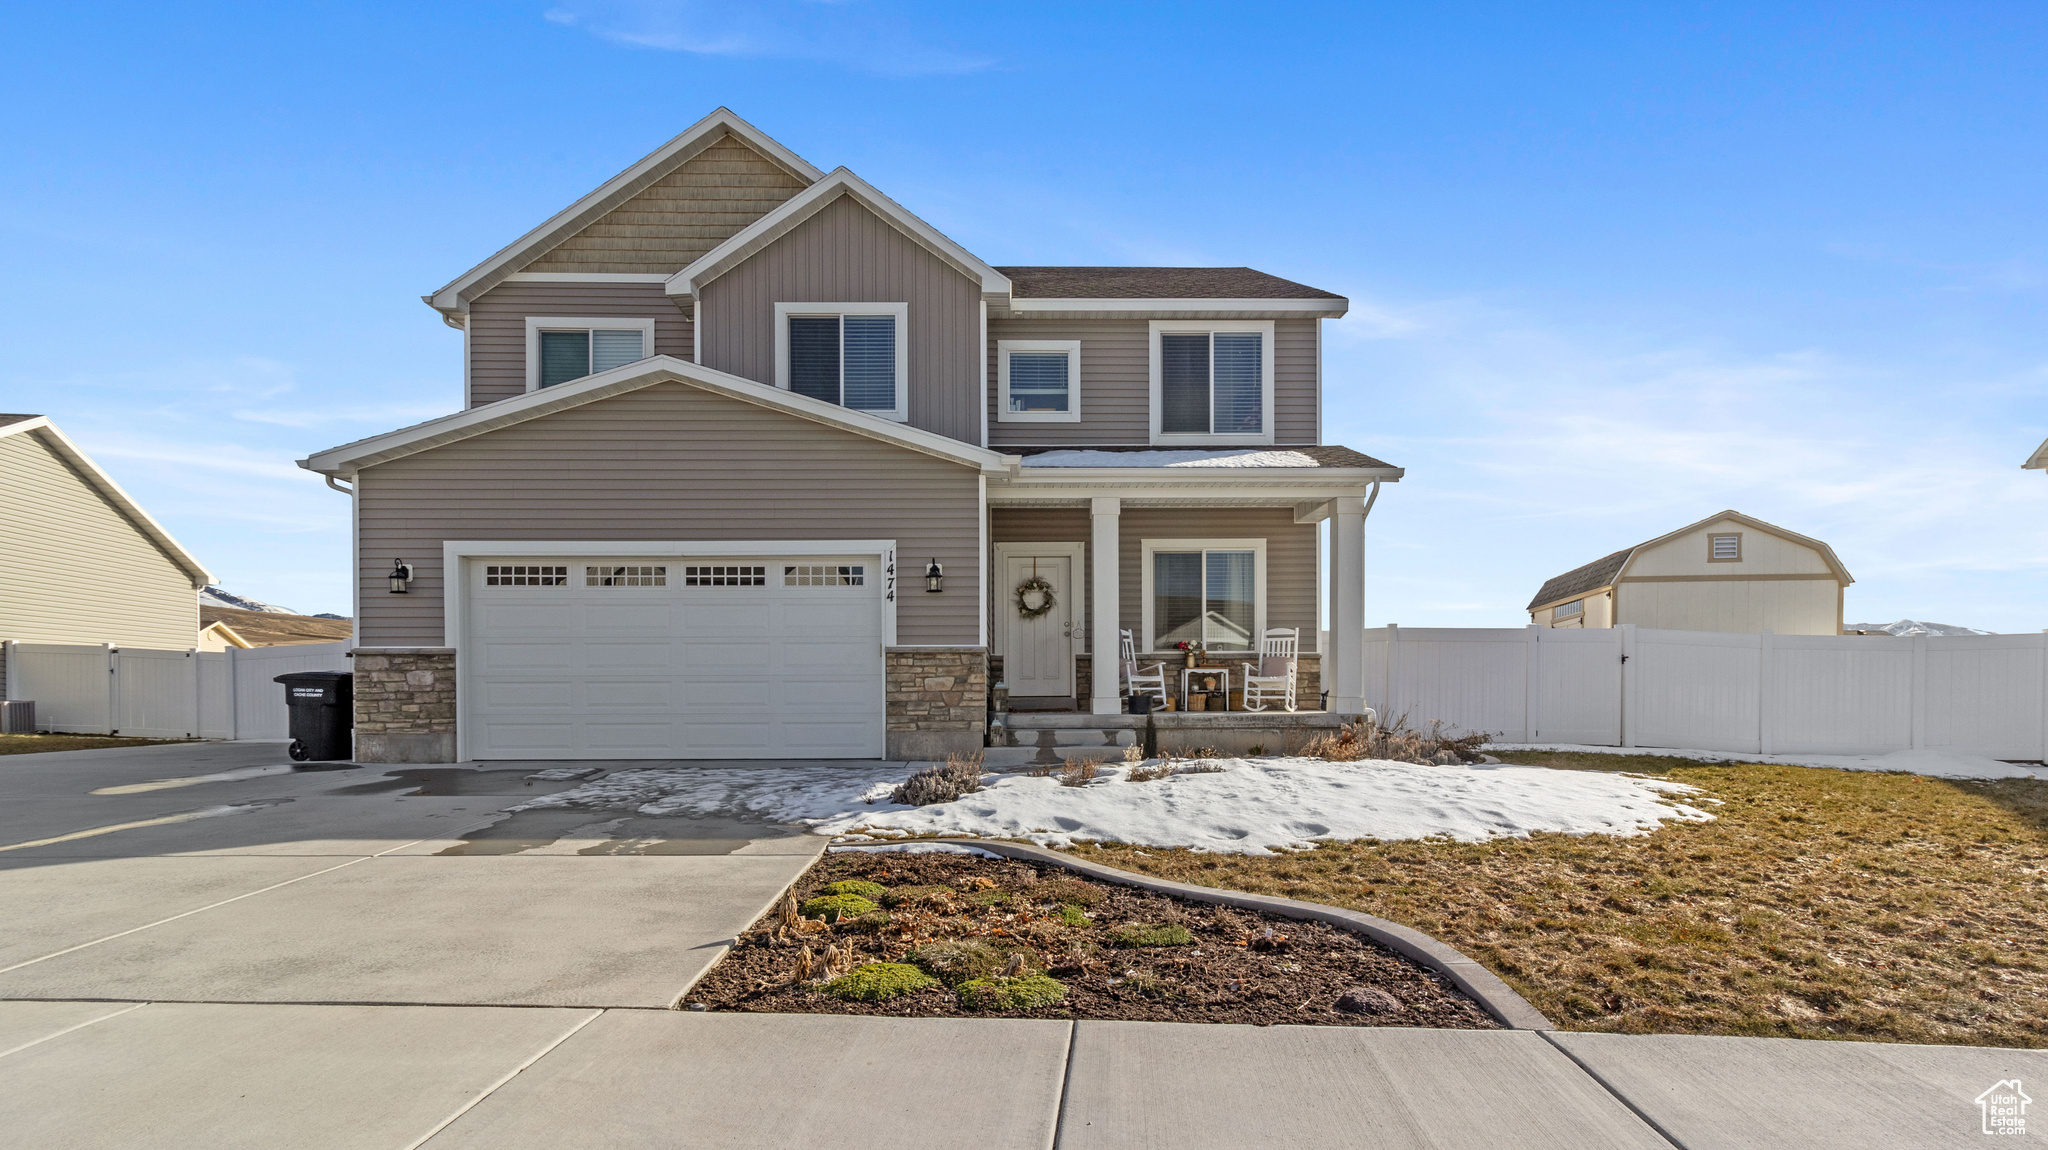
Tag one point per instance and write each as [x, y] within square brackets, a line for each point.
[323, 709]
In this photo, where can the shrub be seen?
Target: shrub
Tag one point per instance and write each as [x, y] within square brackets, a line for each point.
[1065, 890]
[917, 896]
[837, 906]
[957, 960]
[1149, 934]
[859, 886]
[1073, 915]
[1395, 742]
[1080, 772]
[1024, 993]
[961, 775]
[1148, 773]
[873, 921]
[877, 982]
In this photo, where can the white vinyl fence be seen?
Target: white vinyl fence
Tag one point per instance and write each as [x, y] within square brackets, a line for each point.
[1764, 694]
[101, 690]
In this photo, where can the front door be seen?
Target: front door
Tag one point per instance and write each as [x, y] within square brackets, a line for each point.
[1038, 651]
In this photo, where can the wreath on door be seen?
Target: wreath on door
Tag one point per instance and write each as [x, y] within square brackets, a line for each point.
[1040, 588]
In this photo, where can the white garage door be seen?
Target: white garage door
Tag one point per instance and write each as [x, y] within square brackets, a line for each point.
[673, 658]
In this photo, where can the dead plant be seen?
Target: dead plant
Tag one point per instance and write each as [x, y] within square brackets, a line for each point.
[1134, 754]
[1397, 742]
[1080, 772]
[961, 775]
[806, 967]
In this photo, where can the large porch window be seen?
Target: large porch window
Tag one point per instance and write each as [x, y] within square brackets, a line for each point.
[1207, 592]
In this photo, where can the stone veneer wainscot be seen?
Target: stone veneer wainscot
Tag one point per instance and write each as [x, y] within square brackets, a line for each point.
[937, 701]
[405, 704]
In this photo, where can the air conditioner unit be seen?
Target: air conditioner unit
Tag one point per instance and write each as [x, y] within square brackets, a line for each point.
[17, 717]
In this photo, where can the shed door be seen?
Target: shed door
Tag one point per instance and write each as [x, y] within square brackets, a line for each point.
[635, 658]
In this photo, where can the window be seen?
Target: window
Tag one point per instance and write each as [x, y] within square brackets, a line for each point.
[1204, 591]
[1038, 380]
[559, 349]
[851, 354]
[825, 575]
[1567, 610]
[1724, 548]
[741, 576]
[1212, 383]
[525, 575]
[625, 576]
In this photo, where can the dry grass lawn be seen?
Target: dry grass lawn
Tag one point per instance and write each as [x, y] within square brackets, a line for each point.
[35, 744]
[1817, 904]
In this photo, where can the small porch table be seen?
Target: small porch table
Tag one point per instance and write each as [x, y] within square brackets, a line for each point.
[1221, 673]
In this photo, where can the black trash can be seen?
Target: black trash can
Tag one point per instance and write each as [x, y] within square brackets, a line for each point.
[323, 713]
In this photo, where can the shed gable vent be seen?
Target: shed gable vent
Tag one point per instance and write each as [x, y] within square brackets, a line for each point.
[1724, 548]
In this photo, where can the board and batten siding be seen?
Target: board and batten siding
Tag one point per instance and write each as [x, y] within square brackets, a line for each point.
[1291, 579]
[667, 463]
[1116, 382]
[78, 570]
[497, 326]
[846, 253]
[675, 220]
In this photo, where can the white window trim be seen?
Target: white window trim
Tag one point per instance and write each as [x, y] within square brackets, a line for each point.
[902, 313]
[1073, 349]
[535, 324]
[1146, 548]
[1262, 326]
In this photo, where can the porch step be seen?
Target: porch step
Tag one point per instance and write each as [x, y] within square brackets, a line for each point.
[1041, 738]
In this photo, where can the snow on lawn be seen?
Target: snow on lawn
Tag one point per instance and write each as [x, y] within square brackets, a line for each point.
[1248, 807]
[1937, 764]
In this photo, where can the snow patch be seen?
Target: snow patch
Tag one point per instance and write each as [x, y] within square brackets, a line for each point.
[1250, 806]
[914, 849]
[1935, 764]
[1169, 459]
[1912, 627]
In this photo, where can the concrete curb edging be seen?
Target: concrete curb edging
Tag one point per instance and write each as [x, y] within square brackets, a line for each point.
[1497, 998]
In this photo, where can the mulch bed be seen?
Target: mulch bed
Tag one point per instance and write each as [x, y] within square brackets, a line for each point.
[1229, 970]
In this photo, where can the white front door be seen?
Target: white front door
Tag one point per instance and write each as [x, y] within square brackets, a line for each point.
[1038, 653]
[716, 658]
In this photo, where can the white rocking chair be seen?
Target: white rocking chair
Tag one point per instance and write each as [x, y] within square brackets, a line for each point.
[1136, 683]
[1271, 679]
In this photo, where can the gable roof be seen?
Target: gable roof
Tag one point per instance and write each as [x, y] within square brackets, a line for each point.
[47, 433]
[1156, 283]
[453, 298]
[684, 286]
[351, 457]
[1605, 571]
[2039, 459]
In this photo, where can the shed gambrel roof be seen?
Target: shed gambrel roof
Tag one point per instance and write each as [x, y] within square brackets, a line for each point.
[1605, 571]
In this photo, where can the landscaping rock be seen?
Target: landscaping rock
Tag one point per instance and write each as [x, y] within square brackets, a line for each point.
[1368, 1000]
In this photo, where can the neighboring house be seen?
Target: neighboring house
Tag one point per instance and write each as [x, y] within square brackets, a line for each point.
[754, 461]
[79, 561]
[2038, 460]
[1727, 572]
[224, 627]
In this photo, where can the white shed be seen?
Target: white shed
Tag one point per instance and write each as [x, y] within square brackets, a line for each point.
[1728, 572]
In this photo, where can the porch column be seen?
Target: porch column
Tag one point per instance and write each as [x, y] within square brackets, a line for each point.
[1105, 544]
[1345, 663]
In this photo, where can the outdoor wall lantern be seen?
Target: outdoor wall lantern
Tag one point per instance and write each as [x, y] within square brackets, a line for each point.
[935, 577]
[401, 574]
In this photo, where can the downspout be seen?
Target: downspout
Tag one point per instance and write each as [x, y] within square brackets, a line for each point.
[355, 577]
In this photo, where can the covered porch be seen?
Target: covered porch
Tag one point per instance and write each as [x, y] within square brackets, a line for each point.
[1211, 548]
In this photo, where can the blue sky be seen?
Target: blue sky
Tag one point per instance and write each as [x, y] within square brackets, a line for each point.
[1613, 268]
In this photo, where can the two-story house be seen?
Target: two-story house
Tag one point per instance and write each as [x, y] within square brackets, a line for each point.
[754, 463]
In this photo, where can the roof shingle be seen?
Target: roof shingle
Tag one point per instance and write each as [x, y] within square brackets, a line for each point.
[1155, 283]
[1579, 580]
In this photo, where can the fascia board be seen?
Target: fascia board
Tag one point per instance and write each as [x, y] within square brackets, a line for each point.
[752, 239]
[1190, 476]
[1600, 590]
[1178, 308]
[2038, 460]
[341, 461]
[620, 187]
[104, 483]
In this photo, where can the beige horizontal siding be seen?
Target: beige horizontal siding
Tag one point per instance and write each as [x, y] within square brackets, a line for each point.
[1116, 381]
[1290, 551]
[678, 218]
[77, 570]
[667, 463]
[846, 253]
[497, 326]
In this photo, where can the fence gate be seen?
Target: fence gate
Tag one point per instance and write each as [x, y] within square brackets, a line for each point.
[1575, 686]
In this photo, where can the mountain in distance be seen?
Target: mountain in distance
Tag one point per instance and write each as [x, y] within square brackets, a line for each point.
[1910, 627]
[215, 597]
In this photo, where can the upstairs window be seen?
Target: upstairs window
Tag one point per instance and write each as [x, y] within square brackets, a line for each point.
[850, 354]
[1038, 380]
[1212, 383]
[562, 349]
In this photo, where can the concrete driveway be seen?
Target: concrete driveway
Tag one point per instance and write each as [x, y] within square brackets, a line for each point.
[205, 948]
